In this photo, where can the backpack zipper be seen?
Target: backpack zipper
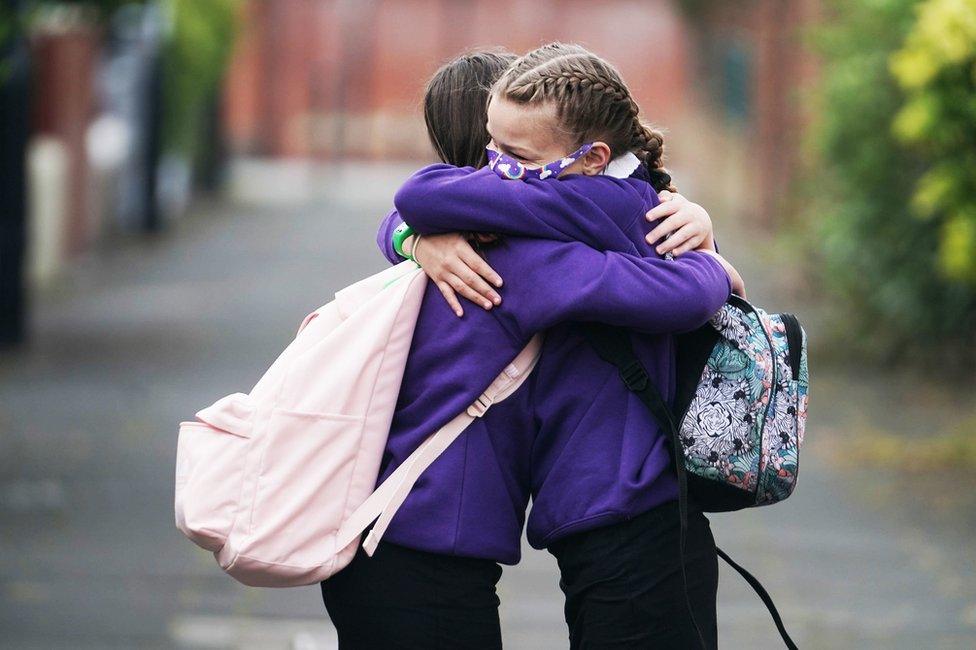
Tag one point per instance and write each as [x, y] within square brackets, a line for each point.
[744, 305]
[794, 339]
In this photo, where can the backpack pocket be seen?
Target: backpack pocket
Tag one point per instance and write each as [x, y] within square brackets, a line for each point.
[310, 475]
[210, 457]
[784, 424]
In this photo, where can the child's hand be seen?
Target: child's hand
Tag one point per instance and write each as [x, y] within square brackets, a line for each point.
[688, 224]
[451, 262]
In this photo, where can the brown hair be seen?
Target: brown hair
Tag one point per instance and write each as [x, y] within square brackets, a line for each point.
[456, 104]
[591, 99]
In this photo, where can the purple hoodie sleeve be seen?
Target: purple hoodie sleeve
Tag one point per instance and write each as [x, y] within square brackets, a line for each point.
[384, 238]
[441, 198]
[561, 281]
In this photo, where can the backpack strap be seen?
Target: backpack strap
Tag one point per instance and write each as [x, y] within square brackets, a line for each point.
[763, 594]
[383, 504]
[612, 344]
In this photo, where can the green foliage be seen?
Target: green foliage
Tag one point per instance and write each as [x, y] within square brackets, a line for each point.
[889, 268]
[194, 64]
[15, 22]
[9, 26]
[955, 450]
[194, 58]
[106, 7]
[936, 69]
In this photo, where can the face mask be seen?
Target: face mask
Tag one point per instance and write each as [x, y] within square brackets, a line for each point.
[511, 169]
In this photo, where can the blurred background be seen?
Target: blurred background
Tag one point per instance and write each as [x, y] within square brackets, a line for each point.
[183, 180]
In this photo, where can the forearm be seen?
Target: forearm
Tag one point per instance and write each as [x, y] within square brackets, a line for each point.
[656, 296]
[442, 198]
[571, 282]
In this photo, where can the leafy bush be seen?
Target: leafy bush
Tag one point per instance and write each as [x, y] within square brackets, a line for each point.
[195, 61]
[894, 201]
[937, 71]
[195, 55]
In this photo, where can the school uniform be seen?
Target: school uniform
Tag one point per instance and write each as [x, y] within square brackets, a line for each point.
[471, 502]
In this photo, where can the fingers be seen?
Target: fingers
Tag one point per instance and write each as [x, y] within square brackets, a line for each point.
[450, 297]
[666, 195]
[456, 268]
[687, 238]
[470, 285]
[663, 210]
[669, 225]
[479, 265]
[472, 270]
[688, 224]
[690, 245]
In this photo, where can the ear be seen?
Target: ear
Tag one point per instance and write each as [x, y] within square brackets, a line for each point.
[596, 159]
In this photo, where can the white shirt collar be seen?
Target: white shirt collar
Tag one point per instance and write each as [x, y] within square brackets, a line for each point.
[623, 166]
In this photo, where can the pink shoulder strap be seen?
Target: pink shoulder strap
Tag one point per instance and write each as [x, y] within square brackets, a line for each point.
[383, 504]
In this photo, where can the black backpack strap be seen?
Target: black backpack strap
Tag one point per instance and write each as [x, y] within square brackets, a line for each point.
[612, 344]
[763, 594]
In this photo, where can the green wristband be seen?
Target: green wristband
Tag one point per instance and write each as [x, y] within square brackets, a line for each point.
[400, 233]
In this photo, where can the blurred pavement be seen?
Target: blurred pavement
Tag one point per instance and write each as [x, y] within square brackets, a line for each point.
[144, 334]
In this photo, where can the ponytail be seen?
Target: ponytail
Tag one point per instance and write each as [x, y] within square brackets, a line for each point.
[649, 147]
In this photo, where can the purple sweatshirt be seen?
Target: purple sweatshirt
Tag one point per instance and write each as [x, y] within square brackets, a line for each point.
[472, 500]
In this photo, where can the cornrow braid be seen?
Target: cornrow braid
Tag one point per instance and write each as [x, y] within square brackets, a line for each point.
[651, 144]
[591, 99]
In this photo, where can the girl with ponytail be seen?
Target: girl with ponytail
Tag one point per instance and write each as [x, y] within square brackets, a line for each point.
[455, 106]
[566, 128]
[572, 437]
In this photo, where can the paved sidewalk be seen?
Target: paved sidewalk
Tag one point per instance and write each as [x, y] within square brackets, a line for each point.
[143, 335]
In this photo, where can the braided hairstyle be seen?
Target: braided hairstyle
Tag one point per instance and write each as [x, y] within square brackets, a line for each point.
[591, 99]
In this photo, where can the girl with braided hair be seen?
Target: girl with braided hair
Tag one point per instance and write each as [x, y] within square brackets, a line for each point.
[455, 104]
[431, 583]
[563, 122]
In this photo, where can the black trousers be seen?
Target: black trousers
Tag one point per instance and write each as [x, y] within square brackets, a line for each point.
[406, 599]
[622, 584]
[624, 588]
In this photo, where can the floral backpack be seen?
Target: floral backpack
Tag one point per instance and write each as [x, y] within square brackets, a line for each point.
[738, 416]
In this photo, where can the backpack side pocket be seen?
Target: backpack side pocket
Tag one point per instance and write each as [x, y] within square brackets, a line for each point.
[210, 457]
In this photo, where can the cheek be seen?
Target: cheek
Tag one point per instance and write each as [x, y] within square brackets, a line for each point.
[552, 153]
[575, 168]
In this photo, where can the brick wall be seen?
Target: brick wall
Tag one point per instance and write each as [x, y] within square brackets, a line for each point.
[332, 79]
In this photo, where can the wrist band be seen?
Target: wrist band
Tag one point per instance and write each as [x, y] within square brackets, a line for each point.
[413, 250]
[400, 233]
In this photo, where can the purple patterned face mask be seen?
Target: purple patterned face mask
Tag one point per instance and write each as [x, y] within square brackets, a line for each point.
[511, 169]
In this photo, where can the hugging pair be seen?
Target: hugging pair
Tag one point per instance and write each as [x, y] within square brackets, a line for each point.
[550, 173]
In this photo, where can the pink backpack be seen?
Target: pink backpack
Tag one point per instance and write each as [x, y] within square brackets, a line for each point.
[278, 483]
